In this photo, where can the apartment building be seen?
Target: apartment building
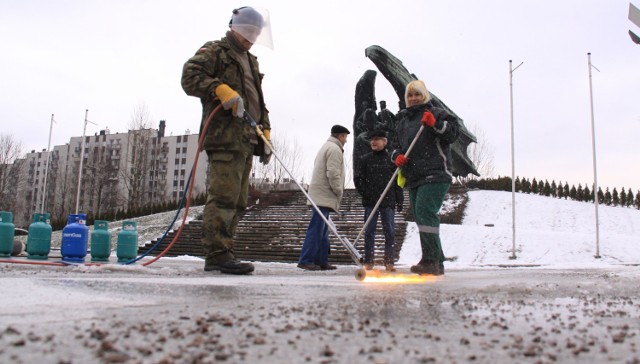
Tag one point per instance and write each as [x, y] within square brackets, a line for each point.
[119, 171]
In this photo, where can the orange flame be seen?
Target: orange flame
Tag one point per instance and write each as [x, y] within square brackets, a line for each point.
[376, 276]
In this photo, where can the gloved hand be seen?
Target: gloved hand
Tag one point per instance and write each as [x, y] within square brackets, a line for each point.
[267, 134]
[230, 99]
[399, 207]
[428, 119]
[401, 160]
[266, 157]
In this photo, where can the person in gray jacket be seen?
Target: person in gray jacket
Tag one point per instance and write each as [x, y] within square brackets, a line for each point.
[326, 189]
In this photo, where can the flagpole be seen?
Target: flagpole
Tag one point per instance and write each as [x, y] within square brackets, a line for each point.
[46, 167]
[513, 165]
[593, 147]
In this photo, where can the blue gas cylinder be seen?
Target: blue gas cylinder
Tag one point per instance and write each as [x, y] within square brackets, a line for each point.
[75, 237]
[100, 241]
[39, 238]
[7, 233]
[127, 248]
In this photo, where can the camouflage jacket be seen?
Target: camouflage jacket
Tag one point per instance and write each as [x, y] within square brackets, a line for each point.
[213, 64]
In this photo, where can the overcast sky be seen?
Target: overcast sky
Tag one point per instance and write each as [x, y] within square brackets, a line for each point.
[62, 57]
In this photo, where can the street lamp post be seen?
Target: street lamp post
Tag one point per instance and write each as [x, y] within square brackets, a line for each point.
[593, 147]
[513, 165]
[46, 168]
[84, 132]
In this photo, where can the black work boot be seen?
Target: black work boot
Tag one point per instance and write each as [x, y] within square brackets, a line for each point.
[232, 266]
[327, 267]
[309, 266]
[427, 268]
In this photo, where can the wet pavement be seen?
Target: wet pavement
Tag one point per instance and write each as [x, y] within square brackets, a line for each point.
[173, 312]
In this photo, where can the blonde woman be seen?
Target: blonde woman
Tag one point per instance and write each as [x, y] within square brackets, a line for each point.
[427, 170]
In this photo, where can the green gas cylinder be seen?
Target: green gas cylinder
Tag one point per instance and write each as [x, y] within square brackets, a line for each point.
[39, 238]
[7, 233]
[127, 248]
[100, 241]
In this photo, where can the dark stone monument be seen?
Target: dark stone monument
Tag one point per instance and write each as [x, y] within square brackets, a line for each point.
[366, 120]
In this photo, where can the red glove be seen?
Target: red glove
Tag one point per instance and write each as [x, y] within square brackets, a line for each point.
[401, 160]
[428, 119]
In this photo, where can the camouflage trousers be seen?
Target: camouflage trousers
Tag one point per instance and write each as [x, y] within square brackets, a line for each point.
[426, 201]
[227, 196]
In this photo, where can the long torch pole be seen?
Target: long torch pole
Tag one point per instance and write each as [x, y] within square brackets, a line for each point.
[84, 131]
[595, 171]
[46, 168]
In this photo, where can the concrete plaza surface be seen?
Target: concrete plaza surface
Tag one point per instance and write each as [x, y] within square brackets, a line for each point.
[173, 312]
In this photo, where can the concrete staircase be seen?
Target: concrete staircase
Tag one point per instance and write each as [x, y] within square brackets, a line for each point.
[273, 230]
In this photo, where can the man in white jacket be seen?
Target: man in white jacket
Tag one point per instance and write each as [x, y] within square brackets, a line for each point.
[326, 189]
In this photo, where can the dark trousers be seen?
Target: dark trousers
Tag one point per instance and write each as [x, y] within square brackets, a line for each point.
[388, 227]
[315, 249]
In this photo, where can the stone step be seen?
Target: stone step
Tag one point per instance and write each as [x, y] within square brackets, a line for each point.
[275, 232]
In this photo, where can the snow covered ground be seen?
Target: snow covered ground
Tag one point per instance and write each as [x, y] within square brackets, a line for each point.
[549, 232]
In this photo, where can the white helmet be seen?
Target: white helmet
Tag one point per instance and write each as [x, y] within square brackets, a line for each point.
[253, 25]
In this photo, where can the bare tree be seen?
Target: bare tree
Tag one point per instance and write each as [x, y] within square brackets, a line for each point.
[138, 156]
[274, 173]
[18, 181]
[140, 118]
[10, 165]
[100, 193]
[64, 198]
[102, 181]
[482, 156]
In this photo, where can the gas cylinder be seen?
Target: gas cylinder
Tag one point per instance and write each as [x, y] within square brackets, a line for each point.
[39, 238]
[127, 248]
[100, 241]
[74, 238]
[7, 233]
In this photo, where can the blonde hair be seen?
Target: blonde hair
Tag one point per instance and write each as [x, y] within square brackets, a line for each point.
[417, 86]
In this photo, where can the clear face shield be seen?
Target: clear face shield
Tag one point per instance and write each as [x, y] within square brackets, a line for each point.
[253, 25]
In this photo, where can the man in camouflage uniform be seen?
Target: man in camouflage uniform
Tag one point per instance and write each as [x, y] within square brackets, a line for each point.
[224, 72]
